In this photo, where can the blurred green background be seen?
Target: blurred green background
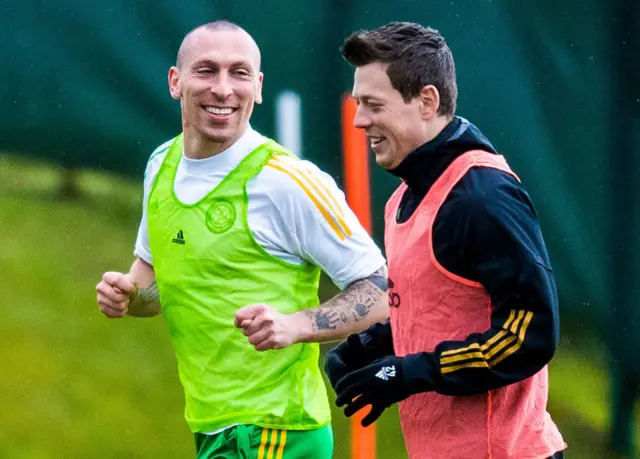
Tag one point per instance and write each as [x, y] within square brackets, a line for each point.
[555, 86]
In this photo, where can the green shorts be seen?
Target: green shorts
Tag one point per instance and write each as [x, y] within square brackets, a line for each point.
[253, 442]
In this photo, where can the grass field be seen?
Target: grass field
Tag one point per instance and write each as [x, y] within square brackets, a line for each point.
[76, 385]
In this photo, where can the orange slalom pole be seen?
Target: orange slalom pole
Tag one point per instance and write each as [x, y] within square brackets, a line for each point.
[358, 194]
[356, 164]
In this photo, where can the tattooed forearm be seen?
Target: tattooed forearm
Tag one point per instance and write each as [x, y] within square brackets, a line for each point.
[354, 304]
[145, 302]
[149, 294]
[352, 310]
[379, 279]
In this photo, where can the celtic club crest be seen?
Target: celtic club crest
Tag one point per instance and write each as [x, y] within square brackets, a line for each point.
[220, 216]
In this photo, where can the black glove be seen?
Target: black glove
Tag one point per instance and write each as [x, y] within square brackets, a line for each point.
[346, 357]
[359, 350]
[379, 384]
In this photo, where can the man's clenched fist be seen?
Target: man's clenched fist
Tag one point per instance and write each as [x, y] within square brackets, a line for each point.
[114, 293]
[267, 328]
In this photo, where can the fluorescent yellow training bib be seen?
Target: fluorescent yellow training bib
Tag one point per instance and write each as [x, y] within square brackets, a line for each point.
[207, 266]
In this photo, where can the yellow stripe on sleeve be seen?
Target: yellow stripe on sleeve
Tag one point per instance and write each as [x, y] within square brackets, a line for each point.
[489, 353]
[513, 349]
[499, 347]
[332, 198]
[498, 336]
[479, 353]
[514, 326]
[320, 207]
[458, 358]
[485, 346]
[523, 330]
[482, 364]
[512, 316]
[462, 350]
[305, 176]
[287, 161]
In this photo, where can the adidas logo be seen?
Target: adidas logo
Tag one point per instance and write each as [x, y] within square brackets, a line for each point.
[387, 372]
[179, 239]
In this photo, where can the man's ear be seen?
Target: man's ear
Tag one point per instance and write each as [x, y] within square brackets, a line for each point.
[175, 88]
[258, 88]
[429, 101]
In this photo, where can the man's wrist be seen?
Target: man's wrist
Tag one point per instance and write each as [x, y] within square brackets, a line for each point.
[417, 371]
[301, 323]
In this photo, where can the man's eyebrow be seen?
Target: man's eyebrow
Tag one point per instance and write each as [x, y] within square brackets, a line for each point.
[240, 64]
[205, 62]
[366, 99]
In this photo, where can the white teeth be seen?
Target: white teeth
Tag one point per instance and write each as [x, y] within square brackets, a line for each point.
[219, 111]
[375, 140]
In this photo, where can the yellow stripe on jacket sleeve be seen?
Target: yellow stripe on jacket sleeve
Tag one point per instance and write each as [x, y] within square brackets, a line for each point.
[333, 221]
[512, 316]
[514, 326]
[481, 352]
[494, 350]
[513, 349]
[509, 324]
[482, 364]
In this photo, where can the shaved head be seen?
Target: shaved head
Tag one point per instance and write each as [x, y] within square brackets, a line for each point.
[216, 26]
[217, 80]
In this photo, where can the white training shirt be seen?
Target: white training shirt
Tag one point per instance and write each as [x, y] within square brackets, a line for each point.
[296, 212]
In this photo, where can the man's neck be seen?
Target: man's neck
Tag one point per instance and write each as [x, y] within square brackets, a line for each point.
[436, 127]
[412, 167]
[197, 146]
[430, 131]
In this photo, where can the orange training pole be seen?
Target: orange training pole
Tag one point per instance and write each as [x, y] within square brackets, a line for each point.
[357, 191]
[356, 164]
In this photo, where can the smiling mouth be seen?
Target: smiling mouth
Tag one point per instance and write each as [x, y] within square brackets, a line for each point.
[220, 111]
[375, 141]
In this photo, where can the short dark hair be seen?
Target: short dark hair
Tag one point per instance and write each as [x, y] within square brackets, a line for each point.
[221, 24]
[417, 56]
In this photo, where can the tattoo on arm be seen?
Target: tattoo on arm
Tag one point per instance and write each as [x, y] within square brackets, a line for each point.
[379, 279]
[145, 302]
[149, 294]
[353, 304]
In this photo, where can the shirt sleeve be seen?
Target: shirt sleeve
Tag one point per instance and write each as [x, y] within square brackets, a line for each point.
[322, 229]
[142, 249]
[499, 237]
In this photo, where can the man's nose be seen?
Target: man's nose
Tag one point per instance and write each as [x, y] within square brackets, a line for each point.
[221, 88]
[361, 121]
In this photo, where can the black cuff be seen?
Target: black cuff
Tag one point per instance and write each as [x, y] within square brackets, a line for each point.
[419, 372]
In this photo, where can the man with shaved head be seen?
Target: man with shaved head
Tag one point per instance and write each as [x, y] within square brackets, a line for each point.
[234, 233]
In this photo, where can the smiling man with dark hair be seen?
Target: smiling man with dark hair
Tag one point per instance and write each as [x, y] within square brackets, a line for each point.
[474, 310]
